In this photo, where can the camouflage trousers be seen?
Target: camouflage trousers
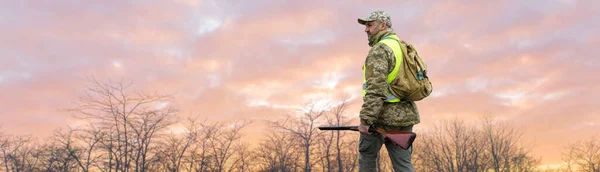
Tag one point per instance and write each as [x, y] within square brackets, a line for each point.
[370, 145]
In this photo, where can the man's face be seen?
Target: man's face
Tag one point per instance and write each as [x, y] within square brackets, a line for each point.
[371, 28]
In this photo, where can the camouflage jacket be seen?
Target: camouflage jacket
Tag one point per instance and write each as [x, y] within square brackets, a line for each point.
[379, 63]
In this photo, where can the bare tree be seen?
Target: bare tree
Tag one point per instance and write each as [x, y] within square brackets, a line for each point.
[200, 153]
[333, 143]
[325, 150]
[130, 119]
[350, 155]
[172, 153]
[89, 137]
[278, 151]
[225, 138]
[503, 146]
[304, 128]
[173, 148]
[457, 146]
[243, 158]
[18, 153]
[583, 155]
[145, 125]
[108, 148]
[50, 157]
[5, 147]
[449, 146]
[63, 150]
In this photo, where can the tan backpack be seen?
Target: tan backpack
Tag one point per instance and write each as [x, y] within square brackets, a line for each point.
[411, 82]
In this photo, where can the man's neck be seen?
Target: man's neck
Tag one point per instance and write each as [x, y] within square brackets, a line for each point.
[377, 37]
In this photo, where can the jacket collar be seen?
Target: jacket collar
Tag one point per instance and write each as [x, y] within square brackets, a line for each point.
[381, 34]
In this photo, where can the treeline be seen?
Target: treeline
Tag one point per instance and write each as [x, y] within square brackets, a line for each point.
[130, 131]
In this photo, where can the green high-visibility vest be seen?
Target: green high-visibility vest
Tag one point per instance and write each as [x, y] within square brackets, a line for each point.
[393, 42]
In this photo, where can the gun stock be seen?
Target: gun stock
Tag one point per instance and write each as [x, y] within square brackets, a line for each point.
[404, 139]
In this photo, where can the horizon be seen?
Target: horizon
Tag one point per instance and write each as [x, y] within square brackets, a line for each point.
[527, 63]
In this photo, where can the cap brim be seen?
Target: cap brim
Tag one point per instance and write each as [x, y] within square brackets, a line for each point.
[363, 21]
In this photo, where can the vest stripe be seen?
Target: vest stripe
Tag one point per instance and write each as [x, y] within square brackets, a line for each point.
[391, 41]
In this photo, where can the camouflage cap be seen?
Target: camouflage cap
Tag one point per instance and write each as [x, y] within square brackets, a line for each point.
[375, 15]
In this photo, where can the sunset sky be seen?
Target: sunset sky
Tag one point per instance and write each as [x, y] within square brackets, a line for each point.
[527, 62]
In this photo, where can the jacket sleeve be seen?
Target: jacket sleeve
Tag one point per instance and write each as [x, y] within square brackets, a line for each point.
[376, 72]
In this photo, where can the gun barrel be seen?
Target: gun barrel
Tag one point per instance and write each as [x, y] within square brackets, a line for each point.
[354, 128]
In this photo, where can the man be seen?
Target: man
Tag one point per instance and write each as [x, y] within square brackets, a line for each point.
[379, 108]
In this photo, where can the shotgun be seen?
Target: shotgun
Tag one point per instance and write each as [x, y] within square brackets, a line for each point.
[404, 139]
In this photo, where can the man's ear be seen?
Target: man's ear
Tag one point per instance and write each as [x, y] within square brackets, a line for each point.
[383, 25]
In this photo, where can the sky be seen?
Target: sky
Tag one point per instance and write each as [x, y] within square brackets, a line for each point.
[530, 63]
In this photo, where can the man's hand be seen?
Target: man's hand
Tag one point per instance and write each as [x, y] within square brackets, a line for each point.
[364, 129]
